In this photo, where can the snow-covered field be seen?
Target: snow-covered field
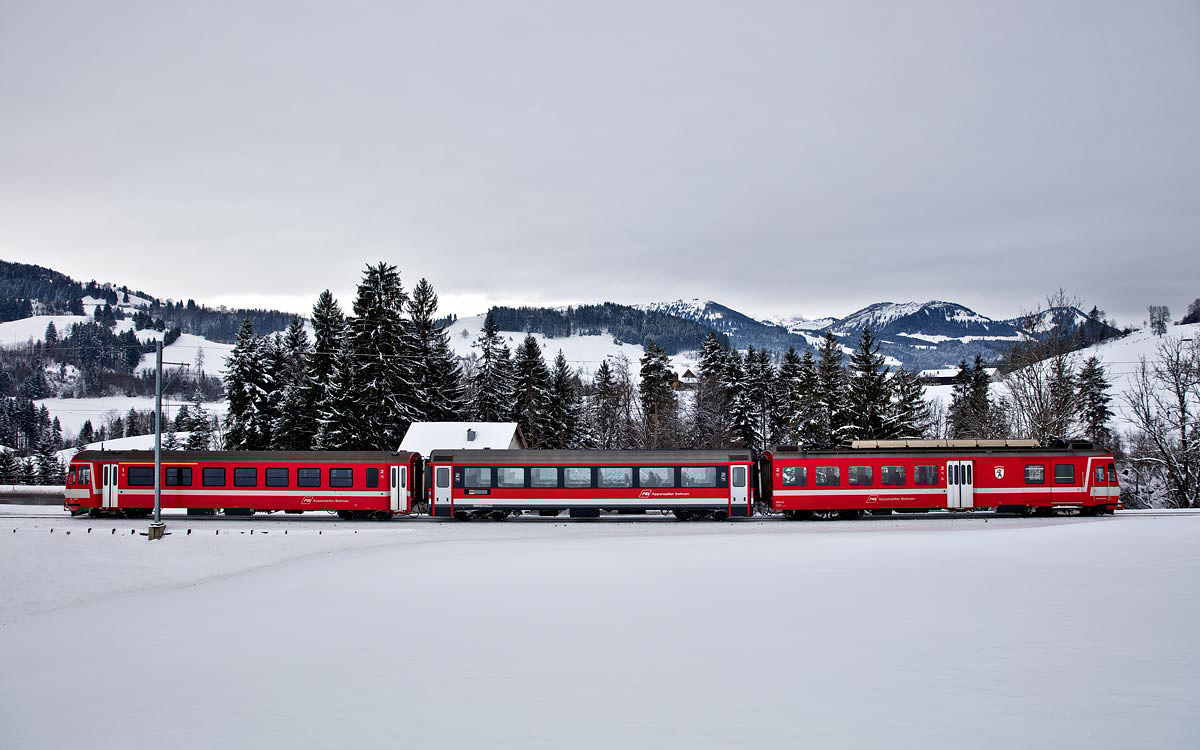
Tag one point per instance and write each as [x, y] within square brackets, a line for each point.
[21, 332]
[73, 412]
[943, 633]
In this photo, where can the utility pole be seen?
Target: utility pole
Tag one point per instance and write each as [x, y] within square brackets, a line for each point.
[157, 528]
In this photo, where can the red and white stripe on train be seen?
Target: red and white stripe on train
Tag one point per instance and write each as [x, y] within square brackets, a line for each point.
[355, 485]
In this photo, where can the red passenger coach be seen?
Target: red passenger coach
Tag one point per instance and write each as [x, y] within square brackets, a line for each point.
[494, 483]
[883, 476]
[352, 484]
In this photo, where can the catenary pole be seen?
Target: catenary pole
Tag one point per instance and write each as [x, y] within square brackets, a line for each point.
[158, 364]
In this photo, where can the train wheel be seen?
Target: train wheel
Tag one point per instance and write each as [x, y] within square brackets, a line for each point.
[497, 515]
[849, 515]
[880, 512]
[719, 515]
[684, 515]
[549, 512]
[382, 515]
[825, 515]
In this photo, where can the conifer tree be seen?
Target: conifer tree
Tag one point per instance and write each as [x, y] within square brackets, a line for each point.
[830, 403]
[1093, 401]
[10, 468]
[867, 395]
[741, 415]
[787, 400]
[909, 414]
[246, 390]
[199, 426]
[338, 413]
[493, 385]
[295, 424]
[760, 391]
[1063, 398]
[564, 418]
[608, 410]
[87, 434]
[531, 392]
[656, 394]
[710, 405]
[439, 391]
[382, 343]
[807, 419]
[330, 332]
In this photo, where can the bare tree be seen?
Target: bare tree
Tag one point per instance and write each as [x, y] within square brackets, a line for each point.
[1164, 403]
[1040, 386]
[1159, 317]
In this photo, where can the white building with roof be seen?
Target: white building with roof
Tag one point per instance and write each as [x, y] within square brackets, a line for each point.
[423, 437]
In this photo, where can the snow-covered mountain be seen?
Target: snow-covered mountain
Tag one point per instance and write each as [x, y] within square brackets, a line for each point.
[743, 330]
[934, 320]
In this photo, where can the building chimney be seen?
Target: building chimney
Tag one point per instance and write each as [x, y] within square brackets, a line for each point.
[470, 435]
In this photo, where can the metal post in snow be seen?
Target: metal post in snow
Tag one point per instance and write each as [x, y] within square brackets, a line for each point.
[156, 528]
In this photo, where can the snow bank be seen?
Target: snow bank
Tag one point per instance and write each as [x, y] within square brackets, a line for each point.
[890, 634]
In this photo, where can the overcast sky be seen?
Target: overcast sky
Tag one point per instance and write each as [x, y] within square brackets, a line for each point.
[781, 158]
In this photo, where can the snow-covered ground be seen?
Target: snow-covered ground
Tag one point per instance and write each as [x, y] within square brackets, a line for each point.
[584, 353]
[26, 330]
[931, 633]
[185, 349]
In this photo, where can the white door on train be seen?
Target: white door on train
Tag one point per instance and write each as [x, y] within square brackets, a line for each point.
[441, 488]
[399, 489]
[739, 486]
[108, 486]
[960, 484]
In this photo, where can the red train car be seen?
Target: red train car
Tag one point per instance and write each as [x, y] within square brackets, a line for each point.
[355, 485]
[883, 476]
[494, 483]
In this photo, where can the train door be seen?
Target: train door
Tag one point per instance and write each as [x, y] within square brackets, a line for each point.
[442, 500]
[960, 484]
[739, 487]
[399, 489]
[108, 486]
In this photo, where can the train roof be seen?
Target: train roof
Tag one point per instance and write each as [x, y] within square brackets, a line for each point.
[241, 456]
[588, 457]
[962, 447]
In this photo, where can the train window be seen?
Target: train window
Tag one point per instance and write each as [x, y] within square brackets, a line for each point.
[795, 476]
[71, 476]
[861, 476]
[925, 476]
[577, 476]
[85, 475]
[1064, 473]
[892, 476]
[372, 477]
[1112, 474]
[543, 476]
[970, 470]
[1035, 474]
[477, 476]
[308, 477]
[277, 477]
[342, 477]
[212, 476]
[443, 476]
[698, 476]
[613, 476]
[141, 476]
[1099, 475]
[178, 476]
[245, 476]
[739, 476]
[656, 476]
[828, 476]
[510, 476]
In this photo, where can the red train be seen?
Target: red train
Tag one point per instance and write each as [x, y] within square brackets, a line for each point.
[875, 477]
[880, 477]
[355, 485]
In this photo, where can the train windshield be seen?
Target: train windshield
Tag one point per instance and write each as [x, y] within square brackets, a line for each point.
[80, 475]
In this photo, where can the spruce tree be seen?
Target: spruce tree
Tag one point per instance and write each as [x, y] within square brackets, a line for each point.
[384, 403]
[10, 468]
[1063, 398]
[493, 400]
[710, 405]
[564, 418]
[338, 413]
[657, 397]
[867, 395]
[606, 409]
[246, 390]
[909, 414]
[295, 424]
[786, 400]
[87, 434]
[760, 385]
[199, 426]
[531, 392]
[807, 419]
[440, 395]
[1093, 402]
[330, 331]
[830, 402]
[741, 414]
